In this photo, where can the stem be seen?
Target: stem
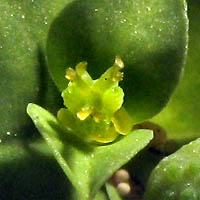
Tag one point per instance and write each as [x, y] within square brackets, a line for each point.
[79, 196]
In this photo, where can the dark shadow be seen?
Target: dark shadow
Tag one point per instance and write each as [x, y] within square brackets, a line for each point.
[160, 144]
[141, 166]
[34, 176]
[49, 96]
[72, 139]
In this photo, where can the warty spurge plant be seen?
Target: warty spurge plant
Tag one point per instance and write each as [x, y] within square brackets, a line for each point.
[150, 36]
[94, 107]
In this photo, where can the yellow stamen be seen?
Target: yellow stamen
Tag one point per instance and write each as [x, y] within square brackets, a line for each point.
[81, 68]
[70, 74]
[119, 62]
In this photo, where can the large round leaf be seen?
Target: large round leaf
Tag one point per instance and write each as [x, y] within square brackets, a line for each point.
[149, 36]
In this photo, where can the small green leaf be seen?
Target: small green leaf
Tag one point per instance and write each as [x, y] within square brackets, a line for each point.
[87, 166]
[49, 127]
[112, 192]
[177, 176]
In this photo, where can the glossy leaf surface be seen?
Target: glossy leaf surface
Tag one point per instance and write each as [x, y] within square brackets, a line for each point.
[87, 166]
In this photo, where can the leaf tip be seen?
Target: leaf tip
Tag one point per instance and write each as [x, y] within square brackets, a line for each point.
[28, 108]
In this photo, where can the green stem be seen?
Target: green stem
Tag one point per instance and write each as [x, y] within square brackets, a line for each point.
[77, 195]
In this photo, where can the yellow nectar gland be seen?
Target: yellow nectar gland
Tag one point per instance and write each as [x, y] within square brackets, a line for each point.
[84, 113]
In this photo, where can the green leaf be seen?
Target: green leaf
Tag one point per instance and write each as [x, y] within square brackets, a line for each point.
[181, 117]
[23, 29]
[149, 36]
[87, 166]
[112, 192]
[177, 176]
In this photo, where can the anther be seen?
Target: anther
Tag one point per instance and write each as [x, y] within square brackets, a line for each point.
[117, 76]
[119, 62]
[70, 74]
[81, 68]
